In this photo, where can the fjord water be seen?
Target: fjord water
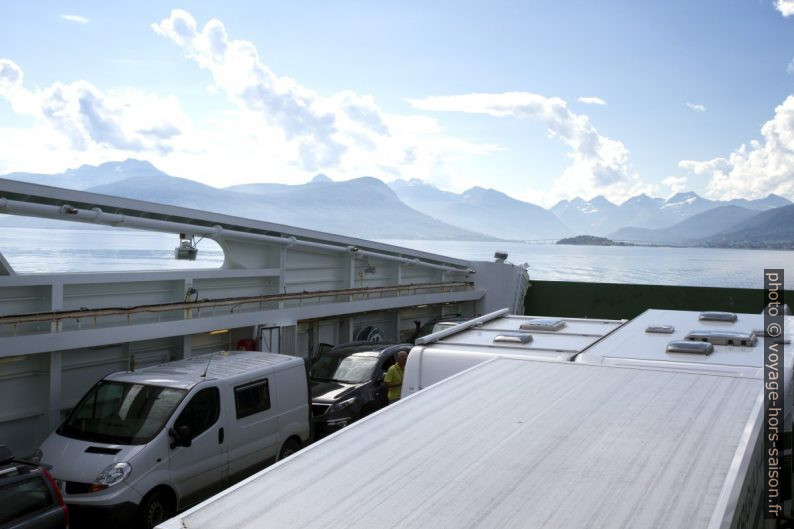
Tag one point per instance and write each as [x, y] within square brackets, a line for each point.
[712, 267]
[30, 250]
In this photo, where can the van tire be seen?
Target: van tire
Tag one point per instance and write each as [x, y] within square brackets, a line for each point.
[156, 507]
[289, 447]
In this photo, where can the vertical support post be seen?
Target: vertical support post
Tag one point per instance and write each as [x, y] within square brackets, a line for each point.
[53, 413]
[187, 346]
[397, 325]
[54, 393]
[282, 263]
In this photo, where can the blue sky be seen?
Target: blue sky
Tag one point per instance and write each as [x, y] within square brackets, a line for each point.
[541, 100]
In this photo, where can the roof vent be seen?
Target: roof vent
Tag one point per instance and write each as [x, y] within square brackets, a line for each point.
[777, 339]
[693, 348]
[542, 324]
[518, 337]
[660, 329]
[745, 339]
[724, 317]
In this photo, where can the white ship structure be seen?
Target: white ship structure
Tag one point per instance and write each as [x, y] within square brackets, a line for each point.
[280, 288]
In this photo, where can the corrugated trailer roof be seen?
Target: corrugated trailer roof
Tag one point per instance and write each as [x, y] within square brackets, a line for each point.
[516, 443]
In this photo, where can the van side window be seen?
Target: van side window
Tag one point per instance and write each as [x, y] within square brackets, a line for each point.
[201, 412]
[252, 398]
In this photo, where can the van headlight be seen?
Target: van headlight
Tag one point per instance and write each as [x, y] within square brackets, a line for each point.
[112, 475]
[343, 404]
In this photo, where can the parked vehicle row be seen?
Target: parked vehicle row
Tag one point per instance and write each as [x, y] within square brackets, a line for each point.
[143, 445]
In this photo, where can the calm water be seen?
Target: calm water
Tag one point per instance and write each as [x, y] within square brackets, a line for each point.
[626, 264]
[64, 250]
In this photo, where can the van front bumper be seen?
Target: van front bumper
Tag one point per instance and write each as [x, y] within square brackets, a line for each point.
[117, 516]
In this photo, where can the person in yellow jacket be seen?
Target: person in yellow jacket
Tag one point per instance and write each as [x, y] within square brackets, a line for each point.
[394, 377]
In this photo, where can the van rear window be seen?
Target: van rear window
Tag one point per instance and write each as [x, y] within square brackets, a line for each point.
[252, 398]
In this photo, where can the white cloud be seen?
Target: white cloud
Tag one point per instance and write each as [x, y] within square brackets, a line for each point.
[755, 170]
[675, 183]
[696, 107]
[278, 130]
[786, 7]
[343, 135]
[120, 119]
[599, 165]
[592, 101]
[76, 18]
[790, 67]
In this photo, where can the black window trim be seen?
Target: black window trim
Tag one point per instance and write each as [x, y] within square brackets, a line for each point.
[254, 383]
[217, 395]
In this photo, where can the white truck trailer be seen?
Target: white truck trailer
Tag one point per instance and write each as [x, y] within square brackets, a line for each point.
[526, 444]
[699, 342]
[451, 350]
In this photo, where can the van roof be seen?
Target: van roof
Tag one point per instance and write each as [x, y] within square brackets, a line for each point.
[516, 443]
[503, 334]
[186, 373]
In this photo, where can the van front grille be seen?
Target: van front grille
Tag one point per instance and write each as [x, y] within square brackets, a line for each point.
[75, 487]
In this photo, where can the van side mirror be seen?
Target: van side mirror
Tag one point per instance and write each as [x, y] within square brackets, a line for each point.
[379, 377]
[181, 435]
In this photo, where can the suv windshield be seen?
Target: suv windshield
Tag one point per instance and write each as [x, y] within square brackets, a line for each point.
[121, 413]
[352, 369]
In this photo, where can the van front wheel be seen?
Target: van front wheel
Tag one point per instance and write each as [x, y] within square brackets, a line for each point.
[155, 508]
[289, 448]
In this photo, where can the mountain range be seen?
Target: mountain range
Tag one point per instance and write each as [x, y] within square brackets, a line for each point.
[599, 216]
[484, 210]
[411, 209]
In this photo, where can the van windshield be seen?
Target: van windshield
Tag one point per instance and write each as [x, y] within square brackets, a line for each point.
[121, 413]
[352, 369]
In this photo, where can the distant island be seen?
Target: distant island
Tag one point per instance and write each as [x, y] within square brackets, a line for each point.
[591, 240]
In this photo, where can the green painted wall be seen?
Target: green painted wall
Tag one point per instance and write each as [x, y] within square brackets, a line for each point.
[614, 301]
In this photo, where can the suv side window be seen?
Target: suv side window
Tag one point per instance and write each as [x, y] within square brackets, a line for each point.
[388, 362]
[252, 398]
[24, 497]
[201, 412]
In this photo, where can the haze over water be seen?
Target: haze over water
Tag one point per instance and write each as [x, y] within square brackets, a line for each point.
[61, 250]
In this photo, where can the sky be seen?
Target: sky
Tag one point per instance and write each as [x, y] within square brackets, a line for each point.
[540, 100]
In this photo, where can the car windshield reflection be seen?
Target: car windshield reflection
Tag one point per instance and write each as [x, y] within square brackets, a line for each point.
[351, 369]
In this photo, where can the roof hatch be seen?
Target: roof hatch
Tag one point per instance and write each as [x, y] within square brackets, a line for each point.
[518, 337]
[724, 317]
[689, 347]
[542, 324]
[660, 329]
[745, 339]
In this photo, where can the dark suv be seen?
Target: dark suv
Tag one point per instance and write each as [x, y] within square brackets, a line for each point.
[29, 498]
[347, 383]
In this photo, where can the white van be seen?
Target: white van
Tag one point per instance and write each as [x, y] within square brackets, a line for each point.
[148, 443]
[459, 347]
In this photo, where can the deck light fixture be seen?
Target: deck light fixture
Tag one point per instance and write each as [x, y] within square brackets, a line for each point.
[186, 251]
